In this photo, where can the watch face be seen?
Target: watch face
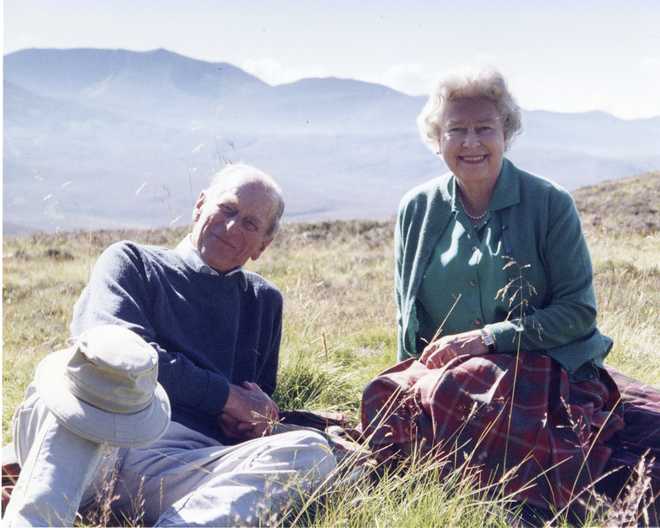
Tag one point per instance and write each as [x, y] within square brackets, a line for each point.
[488, 340]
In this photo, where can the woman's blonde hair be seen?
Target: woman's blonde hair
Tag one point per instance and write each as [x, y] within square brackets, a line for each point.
[483, 83]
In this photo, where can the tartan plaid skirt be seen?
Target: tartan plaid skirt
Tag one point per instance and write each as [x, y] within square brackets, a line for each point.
[514, 418]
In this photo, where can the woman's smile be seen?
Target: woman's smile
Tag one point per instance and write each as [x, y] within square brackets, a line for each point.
[473, 159]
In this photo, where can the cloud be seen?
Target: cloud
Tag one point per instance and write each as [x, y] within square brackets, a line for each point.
[419, 79]
[18, 40]
[274, 72]
[268, 70]
[414, 79]
[651, 65]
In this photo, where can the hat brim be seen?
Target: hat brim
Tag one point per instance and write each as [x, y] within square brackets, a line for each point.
[94, 424]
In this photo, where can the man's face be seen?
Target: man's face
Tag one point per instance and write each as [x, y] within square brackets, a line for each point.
[231, 222]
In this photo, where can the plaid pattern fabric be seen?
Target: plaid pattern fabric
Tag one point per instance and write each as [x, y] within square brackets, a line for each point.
[553, 435]
[10, 473]
[640, 437]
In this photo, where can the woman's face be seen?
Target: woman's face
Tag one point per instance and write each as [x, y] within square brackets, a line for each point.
[472, 139]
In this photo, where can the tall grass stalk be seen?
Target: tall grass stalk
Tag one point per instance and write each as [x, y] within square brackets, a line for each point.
[336, 278]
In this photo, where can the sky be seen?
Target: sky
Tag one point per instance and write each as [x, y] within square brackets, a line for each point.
[566, 56]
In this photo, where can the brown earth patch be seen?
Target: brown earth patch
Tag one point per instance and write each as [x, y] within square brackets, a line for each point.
[627, 205]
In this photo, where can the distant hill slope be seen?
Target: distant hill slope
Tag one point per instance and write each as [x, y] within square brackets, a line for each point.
[630, 204]
[105, 138]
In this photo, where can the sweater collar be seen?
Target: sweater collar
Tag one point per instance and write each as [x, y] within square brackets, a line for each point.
[191, 256]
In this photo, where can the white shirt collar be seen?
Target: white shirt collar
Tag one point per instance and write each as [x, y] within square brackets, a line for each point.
[191, 256]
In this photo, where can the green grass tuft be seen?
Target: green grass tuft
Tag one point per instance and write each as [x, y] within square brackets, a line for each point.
[339, 332]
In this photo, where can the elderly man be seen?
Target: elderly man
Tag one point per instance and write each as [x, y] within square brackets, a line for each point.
[216, 330]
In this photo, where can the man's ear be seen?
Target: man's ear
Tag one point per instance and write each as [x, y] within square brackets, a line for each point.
[197, 211]
[257, 253]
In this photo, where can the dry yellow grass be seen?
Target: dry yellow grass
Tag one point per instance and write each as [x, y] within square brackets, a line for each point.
[339, 319]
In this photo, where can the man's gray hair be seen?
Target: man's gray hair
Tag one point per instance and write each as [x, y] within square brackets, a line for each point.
[486, 83]
[236, 173]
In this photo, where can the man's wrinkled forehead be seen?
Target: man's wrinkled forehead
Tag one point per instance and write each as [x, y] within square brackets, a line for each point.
[229, 189]
[233, 184]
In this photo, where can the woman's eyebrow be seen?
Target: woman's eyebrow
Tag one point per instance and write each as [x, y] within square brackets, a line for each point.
[452, 122]
[487, 120]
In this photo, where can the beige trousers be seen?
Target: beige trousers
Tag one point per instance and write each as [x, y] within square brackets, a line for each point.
[183, 479]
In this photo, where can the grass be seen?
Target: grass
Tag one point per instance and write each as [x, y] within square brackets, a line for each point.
[336, 278]
[411, 497]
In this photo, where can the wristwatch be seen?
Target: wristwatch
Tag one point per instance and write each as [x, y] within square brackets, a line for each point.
[488, 339]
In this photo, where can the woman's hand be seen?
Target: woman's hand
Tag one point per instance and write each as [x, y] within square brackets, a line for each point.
[440, 352]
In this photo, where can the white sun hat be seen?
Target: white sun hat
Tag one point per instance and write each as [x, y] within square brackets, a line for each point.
[105, 388]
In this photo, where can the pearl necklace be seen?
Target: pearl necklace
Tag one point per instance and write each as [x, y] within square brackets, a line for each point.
[473, 218]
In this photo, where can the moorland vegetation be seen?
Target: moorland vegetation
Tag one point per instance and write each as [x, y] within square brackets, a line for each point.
[336, 278]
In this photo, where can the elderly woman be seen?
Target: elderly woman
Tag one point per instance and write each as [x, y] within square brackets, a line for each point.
[494, 296]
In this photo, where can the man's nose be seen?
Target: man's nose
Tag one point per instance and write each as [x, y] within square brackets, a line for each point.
[231, 224]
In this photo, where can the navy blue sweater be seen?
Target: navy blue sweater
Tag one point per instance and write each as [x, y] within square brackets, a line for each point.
[209, 329]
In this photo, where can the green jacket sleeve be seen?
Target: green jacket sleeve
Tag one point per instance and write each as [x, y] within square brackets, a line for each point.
[398, 285]
[570, 312]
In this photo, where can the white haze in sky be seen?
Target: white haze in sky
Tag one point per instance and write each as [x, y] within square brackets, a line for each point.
[563, 56]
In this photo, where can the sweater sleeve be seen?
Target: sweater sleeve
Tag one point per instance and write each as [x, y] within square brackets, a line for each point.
[570, 312]
[267, 374]
[118, 292]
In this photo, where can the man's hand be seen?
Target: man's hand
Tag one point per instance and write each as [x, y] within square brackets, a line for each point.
[238, 431]
[440, 352]
[248, 413]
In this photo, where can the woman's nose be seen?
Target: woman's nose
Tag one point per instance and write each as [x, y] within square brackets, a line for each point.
[471, 137]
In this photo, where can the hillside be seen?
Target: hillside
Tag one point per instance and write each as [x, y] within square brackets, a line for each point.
[336, 278]
[630, 205]
[103, 138]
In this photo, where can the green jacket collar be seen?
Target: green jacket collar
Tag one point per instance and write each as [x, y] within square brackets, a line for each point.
[507, 188]
[505, 194]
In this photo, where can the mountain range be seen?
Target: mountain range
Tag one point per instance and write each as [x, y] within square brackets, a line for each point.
[114, 138]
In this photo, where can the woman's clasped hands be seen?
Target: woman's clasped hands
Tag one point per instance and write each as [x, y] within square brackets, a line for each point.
[440, 351]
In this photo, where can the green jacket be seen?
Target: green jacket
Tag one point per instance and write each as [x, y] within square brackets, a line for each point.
[542, 235]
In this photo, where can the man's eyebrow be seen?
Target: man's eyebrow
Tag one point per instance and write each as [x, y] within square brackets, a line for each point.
[227, 199]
